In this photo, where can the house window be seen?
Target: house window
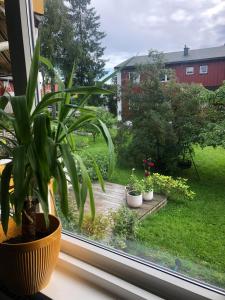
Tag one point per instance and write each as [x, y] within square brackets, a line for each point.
[189, 70]
[134, 77]
[203, 69]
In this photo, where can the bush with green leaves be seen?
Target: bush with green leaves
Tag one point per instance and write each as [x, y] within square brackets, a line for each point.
[103, 164]
[176, 189]
[124, 227]
[97, 229]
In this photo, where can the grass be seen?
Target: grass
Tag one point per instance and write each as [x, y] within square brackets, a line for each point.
[188, 237]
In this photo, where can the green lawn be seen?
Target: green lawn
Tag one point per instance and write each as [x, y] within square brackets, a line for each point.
[192, 232]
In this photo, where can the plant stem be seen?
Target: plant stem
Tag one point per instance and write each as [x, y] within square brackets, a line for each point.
[29, 219]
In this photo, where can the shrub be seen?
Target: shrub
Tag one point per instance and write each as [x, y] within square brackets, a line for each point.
[97, 229]
[125, 224]
[176, 189]
[102, 162]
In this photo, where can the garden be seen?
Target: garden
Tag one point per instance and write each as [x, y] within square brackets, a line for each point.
[179, 130]
[185, 236]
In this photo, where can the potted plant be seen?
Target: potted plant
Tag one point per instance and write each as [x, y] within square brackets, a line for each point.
[147, 188]
[40, 149]
[148, 182]
[134, 192]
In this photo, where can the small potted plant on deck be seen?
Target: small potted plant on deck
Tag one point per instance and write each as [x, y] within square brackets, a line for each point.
[134, 191]
[40, 150]
[147, 188]
[148, 181]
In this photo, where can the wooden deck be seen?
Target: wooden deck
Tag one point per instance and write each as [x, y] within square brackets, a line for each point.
[114, 197]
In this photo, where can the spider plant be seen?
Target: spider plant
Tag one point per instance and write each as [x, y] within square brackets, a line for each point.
[41, 149]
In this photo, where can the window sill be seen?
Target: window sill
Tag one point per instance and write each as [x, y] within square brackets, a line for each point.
[73, 278]
[90, 261]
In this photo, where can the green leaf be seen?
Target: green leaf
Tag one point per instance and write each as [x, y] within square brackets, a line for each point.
[72, 170]
[106, 134]
[4, 196]
[21, 122]
[81, 121]
[3, 102]
[50, 66]
[45, 102]
[86, 181]
[18, 171]
[62, 189]
[32, 82]
[41, 143]
[99, 175]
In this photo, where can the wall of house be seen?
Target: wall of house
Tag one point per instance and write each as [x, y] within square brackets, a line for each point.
[213, 79]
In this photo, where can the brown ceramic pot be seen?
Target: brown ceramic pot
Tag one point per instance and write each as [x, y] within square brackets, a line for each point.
[26, 268]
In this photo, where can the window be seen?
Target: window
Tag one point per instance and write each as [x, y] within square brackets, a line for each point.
[203, 69]
[134, 77]
[189, 70]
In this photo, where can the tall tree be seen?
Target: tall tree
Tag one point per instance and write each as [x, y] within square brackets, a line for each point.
[57, 37]
[88, 37]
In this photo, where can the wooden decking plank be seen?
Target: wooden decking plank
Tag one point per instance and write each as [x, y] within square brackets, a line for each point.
[114, 197]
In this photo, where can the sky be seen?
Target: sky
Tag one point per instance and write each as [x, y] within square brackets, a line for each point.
[133, 27]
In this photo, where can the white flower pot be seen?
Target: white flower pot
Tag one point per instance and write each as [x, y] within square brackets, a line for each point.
[134, 201]
[147, 196]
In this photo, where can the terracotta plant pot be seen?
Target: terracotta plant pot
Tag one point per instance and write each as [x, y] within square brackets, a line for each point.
[148, 196]
[26, 268]
[134, 201]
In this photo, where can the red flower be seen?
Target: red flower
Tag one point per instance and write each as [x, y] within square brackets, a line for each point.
[144, 161]
[147, 174]
[151, 164]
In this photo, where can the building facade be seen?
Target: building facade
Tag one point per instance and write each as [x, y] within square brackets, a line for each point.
[202, 66]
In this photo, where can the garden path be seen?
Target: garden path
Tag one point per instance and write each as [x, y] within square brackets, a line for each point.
[114, 197]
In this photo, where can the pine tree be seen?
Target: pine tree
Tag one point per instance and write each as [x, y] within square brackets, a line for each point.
[57, 37]
[88, 37]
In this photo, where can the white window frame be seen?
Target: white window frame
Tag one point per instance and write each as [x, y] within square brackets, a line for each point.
[190, 70]
[147, 276]
[201, 69]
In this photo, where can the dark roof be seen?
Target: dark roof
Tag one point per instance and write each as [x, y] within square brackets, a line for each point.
[178, 57]
[5, 64]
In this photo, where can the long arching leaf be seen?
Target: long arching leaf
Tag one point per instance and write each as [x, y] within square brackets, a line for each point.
[105, 132]
[62, 189]
[86, 181]
[72, 170]
[22, 121]
[32, 82]
[4, 196]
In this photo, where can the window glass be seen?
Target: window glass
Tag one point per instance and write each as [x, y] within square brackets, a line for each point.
[203, 69]
[189, 70]
[164, 202]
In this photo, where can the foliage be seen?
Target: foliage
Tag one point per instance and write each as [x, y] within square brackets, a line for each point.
[71, 32]
[176, 189]
[134, 186]
[125, 226]
[88, 37]
[166, 118]
[103, 164]
[106, 117]
[147, 184]
[98, 228]
[41, 149]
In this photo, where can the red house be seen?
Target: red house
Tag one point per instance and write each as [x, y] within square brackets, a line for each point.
[204, 66]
